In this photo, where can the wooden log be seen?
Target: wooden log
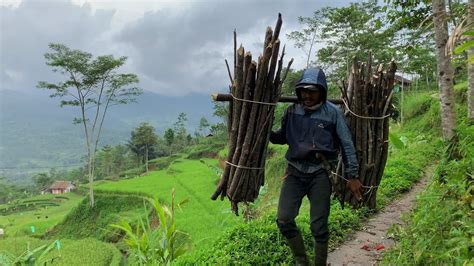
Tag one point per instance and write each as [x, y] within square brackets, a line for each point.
[259, 94]
[369, 97]
[233, 120]
[225, 97]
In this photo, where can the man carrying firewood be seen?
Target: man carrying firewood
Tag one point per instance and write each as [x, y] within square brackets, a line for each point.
[315, 130]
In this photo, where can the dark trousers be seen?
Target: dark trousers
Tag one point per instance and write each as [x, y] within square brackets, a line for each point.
[296, 185]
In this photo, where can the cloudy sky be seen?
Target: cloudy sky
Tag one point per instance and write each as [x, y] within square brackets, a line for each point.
[176, 47]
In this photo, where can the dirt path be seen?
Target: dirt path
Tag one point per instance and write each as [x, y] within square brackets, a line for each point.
[361, 249]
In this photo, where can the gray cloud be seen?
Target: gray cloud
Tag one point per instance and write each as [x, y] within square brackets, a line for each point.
[27, 30]
[174, 51]
[185, 52]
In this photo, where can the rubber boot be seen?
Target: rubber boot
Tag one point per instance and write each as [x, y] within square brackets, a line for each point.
[297, 248]
[320, 254]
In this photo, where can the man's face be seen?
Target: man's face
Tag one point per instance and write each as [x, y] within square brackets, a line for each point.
[310, 97]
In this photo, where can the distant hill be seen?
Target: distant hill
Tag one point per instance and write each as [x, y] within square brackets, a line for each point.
[36, 134]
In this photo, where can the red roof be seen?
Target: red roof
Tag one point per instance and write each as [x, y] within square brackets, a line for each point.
[60, 185]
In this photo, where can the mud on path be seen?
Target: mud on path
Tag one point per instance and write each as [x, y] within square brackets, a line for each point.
[365, 247]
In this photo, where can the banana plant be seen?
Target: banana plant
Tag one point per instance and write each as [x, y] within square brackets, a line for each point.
[161, 245]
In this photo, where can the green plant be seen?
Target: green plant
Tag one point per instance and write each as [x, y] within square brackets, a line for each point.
[160, 245]
[37, 256]
[439, 231]
[397, 141]
[86, 251]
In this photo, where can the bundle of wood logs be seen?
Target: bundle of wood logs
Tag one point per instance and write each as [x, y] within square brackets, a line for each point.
[255, 89]
[366, 98]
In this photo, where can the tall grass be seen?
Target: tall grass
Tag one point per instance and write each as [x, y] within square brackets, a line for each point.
[441, 228]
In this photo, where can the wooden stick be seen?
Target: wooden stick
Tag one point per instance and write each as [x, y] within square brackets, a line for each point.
[225, 97]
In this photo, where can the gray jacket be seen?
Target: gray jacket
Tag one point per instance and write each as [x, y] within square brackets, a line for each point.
[323, 130]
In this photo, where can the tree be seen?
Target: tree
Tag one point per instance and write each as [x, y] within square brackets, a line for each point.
[121, 159]
[7, 191]
[144, 137]
[107, 160]
[445, 70]
[112, 160]
[292, 78]
[307, 37]
[42, 180]
[169, 136]
[415, 43]
[221, 110]
[203, 125]
[179, 127]
[135, 149]
[470, 73]
[348, 32]
[92, 85]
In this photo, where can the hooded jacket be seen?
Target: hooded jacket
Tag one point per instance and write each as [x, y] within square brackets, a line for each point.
[323, 130]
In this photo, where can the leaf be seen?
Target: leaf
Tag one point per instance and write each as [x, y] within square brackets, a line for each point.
[396, 141]
[463, 47]
[379, 246]
[470, 59]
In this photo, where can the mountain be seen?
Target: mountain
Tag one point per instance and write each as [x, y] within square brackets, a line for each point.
[36, 134]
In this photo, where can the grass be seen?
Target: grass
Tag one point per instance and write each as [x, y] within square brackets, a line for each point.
[72, 252]
[439, 230]
[202, 218]
[84, 221]
[43, 218]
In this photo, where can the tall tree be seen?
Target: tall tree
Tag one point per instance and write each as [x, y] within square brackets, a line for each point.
[349, 32]
[411, 20]
[107, 160]
[470, 71]
[8, 191]
[180, 131]
[308, 36]
[203, 125]
[92, 85]
[144, 137]
[445, 70]
[42, 180]
[169, 139]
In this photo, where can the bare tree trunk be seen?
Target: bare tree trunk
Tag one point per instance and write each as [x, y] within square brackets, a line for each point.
[470, 67]
[90, 167]
[146, 158]
[91, 180]
[445, 70]
[313, 39]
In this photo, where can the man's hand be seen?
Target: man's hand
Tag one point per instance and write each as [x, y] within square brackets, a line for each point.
[356, 188]
[286, 173]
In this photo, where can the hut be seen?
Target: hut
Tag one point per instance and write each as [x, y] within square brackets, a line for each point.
[60, 187]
